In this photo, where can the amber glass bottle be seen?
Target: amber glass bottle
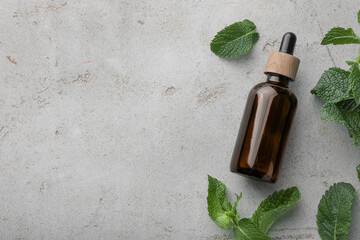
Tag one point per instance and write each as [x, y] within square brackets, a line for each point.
[267, 117]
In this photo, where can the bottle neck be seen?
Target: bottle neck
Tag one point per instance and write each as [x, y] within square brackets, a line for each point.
[277, 79]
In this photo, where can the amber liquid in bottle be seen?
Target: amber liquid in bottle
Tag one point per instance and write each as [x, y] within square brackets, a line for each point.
[264, 128]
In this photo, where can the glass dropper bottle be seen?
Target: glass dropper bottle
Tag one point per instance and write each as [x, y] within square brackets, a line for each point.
[267, 117]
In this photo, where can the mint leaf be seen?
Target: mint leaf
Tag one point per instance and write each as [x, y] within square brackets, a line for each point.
[340, 89]
[238, 197]
[358, 171]
[354, 82]
[349, 105]
[334, 212]
[351, 120]
[332, 86]
[233, 209]
[247, 230]
[219, 208]
[235, 39]
[350, 63]
[274, 206]
[225, 215]
[339, 36]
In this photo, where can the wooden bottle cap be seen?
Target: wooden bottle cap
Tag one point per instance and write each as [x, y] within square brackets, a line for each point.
[283, 64]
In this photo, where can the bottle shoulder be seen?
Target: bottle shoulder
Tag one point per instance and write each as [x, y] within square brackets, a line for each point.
[273, 89]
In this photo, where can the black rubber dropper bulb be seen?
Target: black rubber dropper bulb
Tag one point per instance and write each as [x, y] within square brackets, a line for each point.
[288, 43]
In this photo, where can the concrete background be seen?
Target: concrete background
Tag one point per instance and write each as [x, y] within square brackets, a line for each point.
[113, 112]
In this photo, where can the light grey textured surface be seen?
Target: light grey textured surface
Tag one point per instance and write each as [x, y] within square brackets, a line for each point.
[113, 113]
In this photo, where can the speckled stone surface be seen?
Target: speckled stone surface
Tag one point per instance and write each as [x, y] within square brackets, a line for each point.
[112, 113]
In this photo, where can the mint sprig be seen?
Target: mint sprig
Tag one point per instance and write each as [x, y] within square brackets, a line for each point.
[226, 216]
[334, 212]
[339, 88]
[235, 39]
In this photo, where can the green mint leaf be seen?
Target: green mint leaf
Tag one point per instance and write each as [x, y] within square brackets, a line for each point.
[349, 105]
[331, 112]
[233, 209]
[235, 39]
[354, 82]
[274, 206]
[219, 208]
[238, 197]
[339, 36]
[247, 230]
[358, 171]
[334, 212]
[359, 17]
[350, 63]
[332, 86]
